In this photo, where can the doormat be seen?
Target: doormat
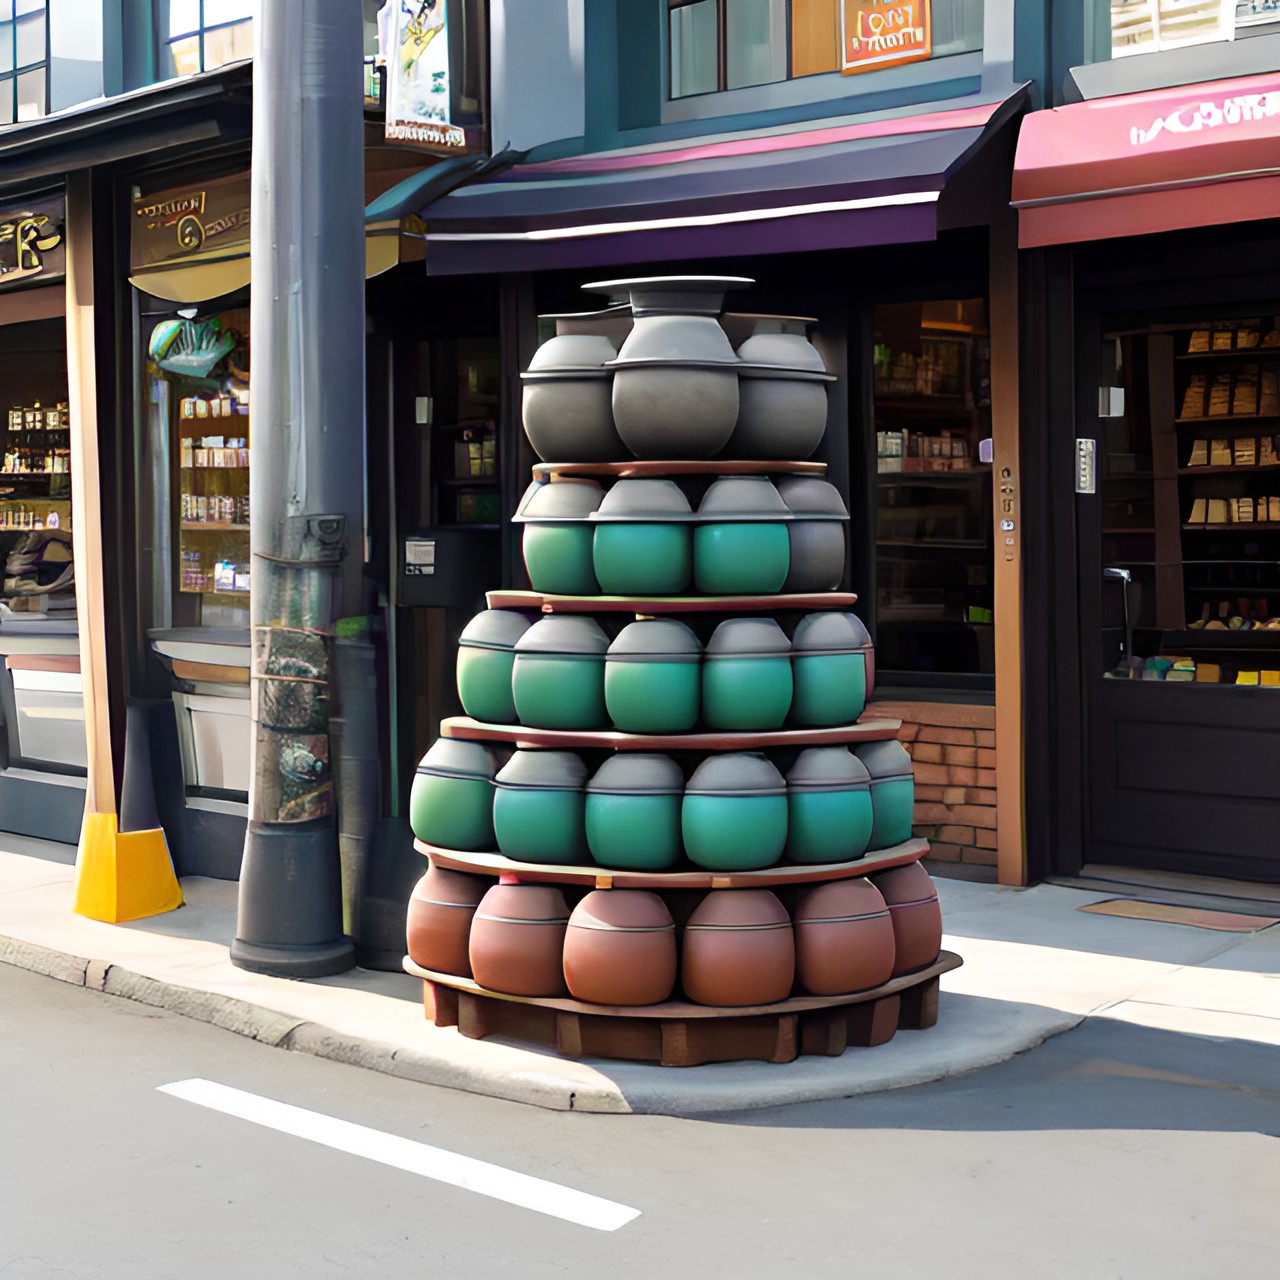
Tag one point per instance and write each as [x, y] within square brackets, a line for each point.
[1166, 913]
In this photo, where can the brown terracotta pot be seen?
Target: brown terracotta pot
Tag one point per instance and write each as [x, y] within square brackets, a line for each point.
[439, 919]
[620, 948]
[844, 938]
[739, 949]
[517, 940]
[912, 898]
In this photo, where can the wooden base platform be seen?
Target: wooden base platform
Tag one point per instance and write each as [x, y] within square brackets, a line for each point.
[645, 606]
[677, 1034]
[642, 467]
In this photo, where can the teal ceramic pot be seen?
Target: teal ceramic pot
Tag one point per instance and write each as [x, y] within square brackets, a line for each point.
[893, 791]
[538, 807]
[451, 799]
[829, 814]
[633, 812]
[734, 814]
[643, 540]
[746, 676]
[486, 655]
[829, 654]
[816, 533]
[651, 677]
[557, 535]
[557, 679]
[740, 543]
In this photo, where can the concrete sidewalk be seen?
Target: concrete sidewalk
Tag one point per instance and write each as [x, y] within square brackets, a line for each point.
[1034, 966]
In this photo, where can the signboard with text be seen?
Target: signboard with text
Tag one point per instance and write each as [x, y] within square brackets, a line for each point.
[209, 219]
[32, 244]
[418, 90]
[875, 34]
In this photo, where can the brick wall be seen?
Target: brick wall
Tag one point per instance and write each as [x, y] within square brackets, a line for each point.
[953, 747]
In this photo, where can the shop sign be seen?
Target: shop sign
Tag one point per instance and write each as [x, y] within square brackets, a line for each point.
[883, 33]
[32, 242]
[1227, 111]
[204, 219]
[418, 90]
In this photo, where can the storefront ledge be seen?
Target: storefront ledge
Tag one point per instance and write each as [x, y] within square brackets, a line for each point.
[950, 715]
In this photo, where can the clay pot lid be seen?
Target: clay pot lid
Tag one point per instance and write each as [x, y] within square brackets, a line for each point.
[545, 770]
[568, 634]
[839, 901]
[792, 350]
[444, 888]
[454, 758]
[672, 295]
[495, 629]
[742, 498]
[621, 307]
[572, 351]
[657, 638]
[739, 909]
[783, 373]
[527, 903]
[765, 323]
[748, 638]
[645, 500]
[622, 911]
[904, 885]
[566, 499]
[638, 773]
[736, 773]
[811, 498]
[827, 769]
[830, 633]
[887, 759]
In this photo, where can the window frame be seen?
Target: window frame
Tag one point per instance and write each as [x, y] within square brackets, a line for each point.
[166, 41]
[10, 78]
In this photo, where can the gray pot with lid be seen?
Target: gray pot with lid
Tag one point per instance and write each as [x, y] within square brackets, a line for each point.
[748, 637]
[742, 498]
[557, 537]
[817, 533]
[567, 400]
[672, 295]
[633, 812]
[638, 773]
[831, 658]
[649, 501]
[486, 654]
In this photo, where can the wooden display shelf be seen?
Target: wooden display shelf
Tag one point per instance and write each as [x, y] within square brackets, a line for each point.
[668, 604]
[1241, 526]
[1242, 354]
[1236, 421]
[679, 1034]
[520, 735]
[1222, 469]
[197, 526]
[1256, 638]
[638, 468]
[686, 876]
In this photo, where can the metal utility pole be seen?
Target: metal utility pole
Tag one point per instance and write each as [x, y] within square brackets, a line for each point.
[306, 469]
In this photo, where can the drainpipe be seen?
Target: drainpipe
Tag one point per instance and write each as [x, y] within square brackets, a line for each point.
[307, 465]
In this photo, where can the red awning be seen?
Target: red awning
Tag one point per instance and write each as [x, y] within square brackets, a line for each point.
[1195, 156]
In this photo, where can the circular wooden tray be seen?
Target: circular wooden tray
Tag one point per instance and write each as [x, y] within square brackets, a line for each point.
[686, 876]
[669, 604]
[520, 735]
[636, 468]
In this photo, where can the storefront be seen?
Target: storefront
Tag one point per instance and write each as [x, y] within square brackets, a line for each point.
[1154, 331]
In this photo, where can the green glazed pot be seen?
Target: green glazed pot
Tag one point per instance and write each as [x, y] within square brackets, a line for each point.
[892, 800]
[484, 684]
[642, 559]
[634, 832]
[652, 697]
[557, 558]
[740, 559]
[451, 799]
[536, 825]
[734, 833]
[553, 691]
[830, 688]
[746, 693]
[828, 826]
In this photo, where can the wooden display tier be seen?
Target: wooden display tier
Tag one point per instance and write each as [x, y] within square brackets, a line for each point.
[816, 600]
[637, 468]
[520, 735]
[678, 1034]
[684, 876]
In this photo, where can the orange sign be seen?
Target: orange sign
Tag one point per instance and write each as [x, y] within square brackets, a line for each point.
[883, 33]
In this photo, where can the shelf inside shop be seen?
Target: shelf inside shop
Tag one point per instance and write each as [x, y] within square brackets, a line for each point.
[211, 526]
[667, 604]
[1223, 469]
[526, 736]
[1242, 526]
[1242, 354]
[930, 477]
[1236, 422]
[1257, 638]
[684, 876]
[637, 468]
[209, 466]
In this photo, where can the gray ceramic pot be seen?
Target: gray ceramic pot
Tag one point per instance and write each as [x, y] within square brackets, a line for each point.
[567, 398]
[817, 533]
[672, 295]
[783, 396]
[674, 411]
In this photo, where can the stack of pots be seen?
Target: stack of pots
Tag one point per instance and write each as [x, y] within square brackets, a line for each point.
[656, 377]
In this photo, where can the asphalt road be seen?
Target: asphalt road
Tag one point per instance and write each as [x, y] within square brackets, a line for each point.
[1111, 1151]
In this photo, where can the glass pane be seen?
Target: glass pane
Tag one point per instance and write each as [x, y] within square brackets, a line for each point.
[217, 12]
[6, 8]
[183, 57]
[756, 42]
[693, 50]
[228, 44]
[933, 496]
[30, 6]
[31, 94]
[6, 100]
[6, 46]
[31, 45]
[957, 26]
[75, 54]
[184, 16]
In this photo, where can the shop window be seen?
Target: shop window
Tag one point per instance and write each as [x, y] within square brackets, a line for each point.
[199, 35]
[717, 45]
[1147, 26]
[24, 60]
[933, 493]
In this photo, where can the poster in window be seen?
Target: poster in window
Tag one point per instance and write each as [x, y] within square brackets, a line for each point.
[418, 90]
[875, 34]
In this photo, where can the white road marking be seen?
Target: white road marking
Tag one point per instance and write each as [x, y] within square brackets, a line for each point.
[414, 1157]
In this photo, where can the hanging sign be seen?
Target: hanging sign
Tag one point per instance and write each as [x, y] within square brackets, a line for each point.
[883, 33]
[204, 220]
[32, 243]
[418, 90]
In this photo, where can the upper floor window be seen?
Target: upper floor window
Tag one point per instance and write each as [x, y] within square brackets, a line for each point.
[24, 60]
[716, 45]
[198, 35]
[1146, 26]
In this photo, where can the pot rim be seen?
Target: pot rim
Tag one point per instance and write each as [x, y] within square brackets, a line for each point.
[663, 362]
[915, 902]
[740, 793]
[780, 372]
[570, 373]
[856, 784]
[484, 915]
[601, 927]
[438, 771]
[766, 926]
[865, 915]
